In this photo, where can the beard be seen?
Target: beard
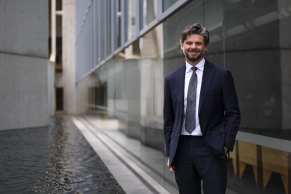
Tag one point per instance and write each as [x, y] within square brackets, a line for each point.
[194, 59]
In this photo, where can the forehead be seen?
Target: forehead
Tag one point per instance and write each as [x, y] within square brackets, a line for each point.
[194, 38]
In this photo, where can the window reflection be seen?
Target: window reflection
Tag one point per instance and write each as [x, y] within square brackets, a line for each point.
[253, 52]
[252, 44]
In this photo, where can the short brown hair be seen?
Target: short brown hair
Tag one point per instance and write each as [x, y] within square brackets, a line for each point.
[195, 29]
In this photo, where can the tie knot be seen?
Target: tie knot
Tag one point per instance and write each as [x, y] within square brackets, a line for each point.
[194, 68]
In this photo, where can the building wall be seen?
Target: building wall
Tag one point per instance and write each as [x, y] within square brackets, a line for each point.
[24, 28]
[250, 38]
[24, 66]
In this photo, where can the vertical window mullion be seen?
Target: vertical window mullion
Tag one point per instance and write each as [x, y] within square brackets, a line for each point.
[104, 27]
[141, 14]
[99, 31]
[94, 34]
[137, 17]
[114, 26]
[126, 10]
[91, 37]
[107, 28]
[160, 9]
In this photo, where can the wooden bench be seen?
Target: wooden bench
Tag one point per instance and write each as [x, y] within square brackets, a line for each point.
[279, 162]
[264, 162]
[243, 154]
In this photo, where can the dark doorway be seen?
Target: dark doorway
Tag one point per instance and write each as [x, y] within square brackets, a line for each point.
[59, 99]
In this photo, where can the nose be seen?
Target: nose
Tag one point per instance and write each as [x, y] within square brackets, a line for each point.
[193, 46]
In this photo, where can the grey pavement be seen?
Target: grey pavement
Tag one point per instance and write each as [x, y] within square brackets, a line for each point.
[129, 172]
[73, 155]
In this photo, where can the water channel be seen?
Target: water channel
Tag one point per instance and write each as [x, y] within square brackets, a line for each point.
[53, 159]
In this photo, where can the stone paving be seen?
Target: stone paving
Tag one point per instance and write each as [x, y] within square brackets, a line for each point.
[54, 159]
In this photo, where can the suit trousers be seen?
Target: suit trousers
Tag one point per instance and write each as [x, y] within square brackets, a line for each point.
[194, 163]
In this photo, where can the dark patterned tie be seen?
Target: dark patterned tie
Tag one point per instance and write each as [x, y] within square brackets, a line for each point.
[190, 120]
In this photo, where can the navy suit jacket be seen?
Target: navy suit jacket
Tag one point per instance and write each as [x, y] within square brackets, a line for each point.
[219, 114]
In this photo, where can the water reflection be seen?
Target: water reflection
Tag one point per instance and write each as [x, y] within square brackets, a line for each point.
[56, 159]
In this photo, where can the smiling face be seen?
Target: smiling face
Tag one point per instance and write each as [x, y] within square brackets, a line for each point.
[194, 48]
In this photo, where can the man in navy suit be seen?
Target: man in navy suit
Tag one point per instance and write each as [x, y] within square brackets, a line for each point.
[201, 117]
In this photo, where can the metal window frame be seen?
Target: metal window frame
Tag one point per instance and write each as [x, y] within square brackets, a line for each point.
[123, 23]
[126, 25]
[140, 14]
[161, 16]
[137, 17]
[95, 34]
[114, 26]
[99, 31]
[91, 37]
[108, 28]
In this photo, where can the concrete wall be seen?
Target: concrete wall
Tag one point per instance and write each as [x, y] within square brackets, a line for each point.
[24, 27]
[69, 57]
[24, 66]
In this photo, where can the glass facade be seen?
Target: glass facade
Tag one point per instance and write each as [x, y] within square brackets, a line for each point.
[148, 12]
[130, 19]
[250, 38]
[168, 3]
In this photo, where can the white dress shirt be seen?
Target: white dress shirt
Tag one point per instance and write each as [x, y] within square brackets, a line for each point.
[188, 74]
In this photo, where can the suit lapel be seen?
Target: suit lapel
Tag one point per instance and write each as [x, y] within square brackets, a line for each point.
[181, 83]
[206, 81]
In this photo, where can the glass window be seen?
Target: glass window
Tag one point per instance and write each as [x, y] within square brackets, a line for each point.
[250, 38]
[96, 33]
[148, 12]
[102, 29]
[130, 13]
[172, 27]
[108, 28]
[119, 15]
[213, 20]
[253, 54]
[168, 3]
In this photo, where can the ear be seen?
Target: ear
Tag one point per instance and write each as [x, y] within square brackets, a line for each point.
[181, 44]
[206, 47]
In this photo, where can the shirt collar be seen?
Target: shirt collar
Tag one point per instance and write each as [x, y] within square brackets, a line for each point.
[199, 66]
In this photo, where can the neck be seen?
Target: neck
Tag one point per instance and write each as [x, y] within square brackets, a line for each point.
[195, 62]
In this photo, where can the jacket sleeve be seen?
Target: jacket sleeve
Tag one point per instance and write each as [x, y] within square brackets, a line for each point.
[168, 115]
[232, 112]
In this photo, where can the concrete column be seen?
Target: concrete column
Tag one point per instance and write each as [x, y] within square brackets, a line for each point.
[69, 62]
